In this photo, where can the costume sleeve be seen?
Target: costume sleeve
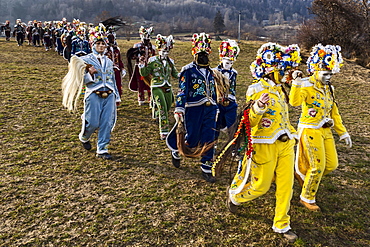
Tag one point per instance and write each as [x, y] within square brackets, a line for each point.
[182, 93]
[73, 50]
[118, 98]
[256, 113]
[174, 72]
[88, 78]
[296, 95]
[120, 63]
[146, 70]
[88, 49]
[338, 123]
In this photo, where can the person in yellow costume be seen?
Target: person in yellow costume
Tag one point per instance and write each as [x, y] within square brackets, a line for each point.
[316, 152]
[273, 137]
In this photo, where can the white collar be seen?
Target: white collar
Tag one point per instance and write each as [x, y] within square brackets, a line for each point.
[271, 82]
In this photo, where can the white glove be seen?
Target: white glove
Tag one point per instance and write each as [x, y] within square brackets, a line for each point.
[123, 73]
[297, 74]
[348, 141]
[179, 116]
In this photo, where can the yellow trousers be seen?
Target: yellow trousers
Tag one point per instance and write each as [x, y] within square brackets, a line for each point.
[271, 161]
[316, 156]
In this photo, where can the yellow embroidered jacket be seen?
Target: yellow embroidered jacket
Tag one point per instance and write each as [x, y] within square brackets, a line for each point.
[269, 123]
[317, 103]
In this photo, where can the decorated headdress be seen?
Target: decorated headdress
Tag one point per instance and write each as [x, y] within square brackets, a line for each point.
[76, 22]
[163, 42]
[83, 24]
[323, 58]
[274, 57]
[145, 33]
[229, 49]
[81, 31]
[99, 33]
[200, 43]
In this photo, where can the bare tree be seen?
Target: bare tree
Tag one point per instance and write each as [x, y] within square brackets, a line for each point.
[339, 22]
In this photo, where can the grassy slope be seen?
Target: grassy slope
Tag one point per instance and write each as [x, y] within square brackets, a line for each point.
[54, 193]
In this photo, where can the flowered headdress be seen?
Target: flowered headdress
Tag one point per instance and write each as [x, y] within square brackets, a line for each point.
[99, 33]
[274, 57]
[145, 33]
[76, 22]
[81, 31]
[200, 43]
[323, 58]
[229, 49]
[163, 42]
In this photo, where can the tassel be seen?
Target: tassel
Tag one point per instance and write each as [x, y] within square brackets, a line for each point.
[184, 149]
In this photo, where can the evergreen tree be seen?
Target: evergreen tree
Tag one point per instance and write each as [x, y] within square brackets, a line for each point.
[218, 23]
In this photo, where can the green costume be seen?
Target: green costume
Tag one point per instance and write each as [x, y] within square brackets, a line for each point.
[161, 71]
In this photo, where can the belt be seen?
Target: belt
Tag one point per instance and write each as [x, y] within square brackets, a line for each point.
[225, 102]
[283, 138]
[328, 124]
[103, 94]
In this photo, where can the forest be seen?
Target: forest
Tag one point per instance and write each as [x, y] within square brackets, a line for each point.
[180, 14]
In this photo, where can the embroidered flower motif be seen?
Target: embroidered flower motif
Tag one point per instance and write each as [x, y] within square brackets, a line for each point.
[195, 86]
[312, 112]
[271, 112]
[266, 123]
[315, 103]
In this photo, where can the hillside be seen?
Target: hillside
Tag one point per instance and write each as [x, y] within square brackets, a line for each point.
[158, 11]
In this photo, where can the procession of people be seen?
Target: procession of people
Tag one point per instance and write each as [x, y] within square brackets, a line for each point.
[206, 105]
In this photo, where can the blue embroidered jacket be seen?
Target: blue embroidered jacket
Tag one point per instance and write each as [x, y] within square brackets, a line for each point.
[196, 87]
[80, 46]
[105, 76]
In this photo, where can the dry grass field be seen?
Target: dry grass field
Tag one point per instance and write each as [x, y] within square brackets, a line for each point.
[55, 193]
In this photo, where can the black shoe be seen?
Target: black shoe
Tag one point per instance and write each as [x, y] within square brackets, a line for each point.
[175, 159]
[229, 204]
[105, 156]
[86, 145]
[208, 177]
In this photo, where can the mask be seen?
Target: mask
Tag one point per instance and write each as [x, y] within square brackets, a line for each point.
[146, 42]
[163, 54]
[202, 59]
[324, 76]
[227, 64]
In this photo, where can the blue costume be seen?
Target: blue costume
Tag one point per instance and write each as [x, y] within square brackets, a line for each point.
[228, 109]
[80, 47]
[196, 99]
[100, 101]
